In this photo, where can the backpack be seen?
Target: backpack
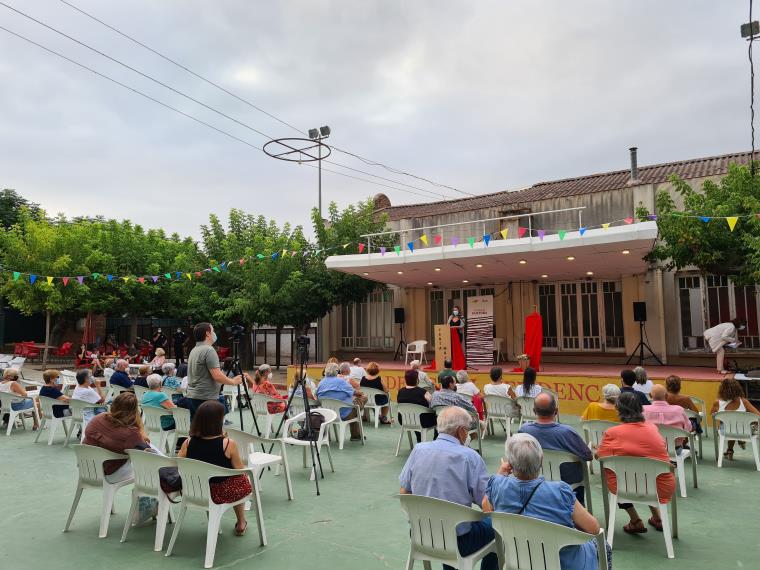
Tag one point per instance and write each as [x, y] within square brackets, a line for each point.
[315, 420]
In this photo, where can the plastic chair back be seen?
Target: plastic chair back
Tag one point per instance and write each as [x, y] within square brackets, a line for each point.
[195, 480]
[636, 477]
[738, 424]
[330, 417]
[372, 394]
[593, 430]
[335, 405]
[526, 404]
[90, 463]
[416, 346]
[552, 461]
[534, 544]
[410, 415]
[140, 391]
[670, 434]
[259, 403]
[502, 407]
[152, 418]
[433, 525]
[145, 466]
[46, 406]
[181, 421]
[78, 407]
[7, 398]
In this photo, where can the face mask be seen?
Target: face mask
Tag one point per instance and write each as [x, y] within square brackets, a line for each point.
[741, 328]
[269, 376]
[456, 312]
[213, 337]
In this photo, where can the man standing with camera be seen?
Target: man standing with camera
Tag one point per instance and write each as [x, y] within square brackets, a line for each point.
[204, 375]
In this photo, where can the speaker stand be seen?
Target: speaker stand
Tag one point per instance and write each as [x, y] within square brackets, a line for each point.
[640, 349]
[401, 348]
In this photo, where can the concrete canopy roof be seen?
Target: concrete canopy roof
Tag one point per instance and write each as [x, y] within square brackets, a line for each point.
[599, 251]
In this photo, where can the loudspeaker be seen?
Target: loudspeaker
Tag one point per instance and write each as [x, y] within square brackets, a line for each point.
[639, 311]
[398, 315]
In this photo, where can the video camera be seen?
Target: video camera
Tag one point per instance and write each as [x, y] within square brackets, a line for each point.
[236, 331]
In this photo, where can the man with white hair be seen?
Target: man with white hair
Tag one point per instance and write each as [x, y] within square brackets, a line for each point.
[422, 379]
[356, 370]
[520, 488]
[449, 469]
[337, 388]
[344, 371]
[120, 376]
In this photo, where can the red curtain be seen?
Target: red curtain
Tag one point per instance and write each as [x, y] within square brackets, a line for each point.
[534, 339]
[457, 355]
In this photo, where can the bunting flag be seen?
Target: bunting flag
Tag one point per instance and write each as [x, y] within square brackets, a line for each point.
[109, 278]
[16, 275]
[260, 256]
[487, 239]
[471, 241]
[541, 234]
[141, 279]
[65, 281]
[628, 220]
[410, 245]
[198, 273]
[125, 279]
[521, 231]
[223, 266]
[581, 231]
[154, 277]
[561, 234]
[455, 241]
[732, 222]
[382, 251]
[189, 276]
[32, 279]
[273, 256]
[504, 233]
[49, 280]
[652, 217]
[345, 245]
[438, 239]
[80, 278]
[178, 274]
[705, 219]
[168, 276]
[605, 226]
[361, 248]
[423, 239]
[242, 261]
[95, 276]
[397, 249]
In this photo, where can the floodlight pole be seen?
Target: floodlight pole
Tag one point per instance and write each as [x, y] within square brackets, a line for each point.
[320, 181]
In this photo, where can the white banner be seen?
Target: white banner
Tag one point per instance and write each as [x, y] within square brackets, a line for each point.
[480, 330]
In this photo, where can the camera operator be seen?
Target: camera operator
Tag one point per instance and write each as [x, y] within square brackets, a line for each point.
[204, 376]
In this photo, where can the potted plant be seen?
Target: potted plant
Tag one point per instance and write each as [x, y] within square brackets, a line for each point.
[523, 360]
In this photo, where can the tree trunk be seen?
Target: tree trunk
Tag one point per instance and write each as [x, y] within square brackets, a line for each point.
[277, 343]
[47, 339]
[132, 329]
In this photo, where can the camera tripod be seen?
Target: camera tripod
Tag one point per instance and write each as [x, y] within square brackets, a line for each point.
[242, 395]
[302, 348]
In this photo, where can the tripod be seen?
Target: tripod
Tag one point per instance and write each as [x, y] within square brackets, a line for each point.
[302, 347]
[401, 344]
[242, 396]
[640, 349]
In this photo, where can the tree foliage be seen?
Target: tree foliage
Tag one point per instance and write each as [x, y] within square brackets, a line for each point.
[11, 205]
[687, 241]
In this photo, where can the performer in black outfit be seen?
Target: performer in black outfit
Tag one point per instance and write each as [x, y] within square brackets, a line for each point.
[159, 341]
[179, 345]
[457, 322]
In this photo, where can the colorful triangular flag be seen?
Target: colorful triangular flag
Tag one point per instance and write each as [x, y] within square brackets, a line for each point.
[216, 268]
[423, 239]
[125, 279]
[652, 217]
[455, 241]
[628, 220]
[198, 273]
[471, 241]
[487, 239]
[109, 278]
[275, 255]
[504, 233]
[439, 239]
[732, 221]
[705, 219]
[541, 234]
[32, 279]
[168, 275]
[260, 256]
[606, 226]
[361, 248]
[49, 279]
[382, 251]
[141, 279]
[397, 249]
[410, 245]
[155, 278]
[65, 281]
[345, 245]
[16, 275]
[521, 231]
[242, 261]
[80, 278]
[189, 276]
[581, 231]
[95, 276]
[561, 234]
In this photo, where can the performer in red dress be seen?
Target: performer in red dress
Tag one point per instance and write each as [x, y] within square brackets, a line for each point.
[456, 322]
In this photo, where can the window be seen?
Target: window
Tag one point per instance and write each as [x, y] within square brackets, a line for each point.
[569, 300]
[442, 303]
[547, 306]
[369, 323]
[705, 301]
[613, 314]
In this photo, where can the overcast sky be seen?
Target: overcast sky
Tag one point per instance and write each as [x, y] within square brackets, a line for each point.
[482, 96]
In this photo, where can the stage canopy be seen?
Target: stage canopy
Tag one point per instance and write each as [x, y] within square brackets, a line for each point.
[599, 253]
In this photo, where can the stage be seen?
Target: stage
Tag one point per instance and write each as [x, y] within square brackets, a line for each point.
[575, 384]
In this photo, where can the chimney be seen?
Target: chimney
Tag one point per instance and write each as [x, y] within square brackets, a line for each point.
[634, 167]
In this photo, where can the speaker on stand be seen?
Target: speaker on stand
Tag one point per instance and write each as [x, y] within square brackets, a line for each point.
[640, 316]
[398, 319]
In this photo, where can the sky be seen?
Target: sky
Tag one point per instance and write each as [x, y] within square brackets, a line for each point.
[479, 96]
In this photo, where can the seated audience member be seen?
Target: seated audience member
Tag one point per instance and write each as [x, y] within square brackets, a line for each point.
[635, 437]
[528, 387]
[520, 488]
[11, 385]
[413, 394]
[118, 430]
[262, 384]
[604, 410]
[447, 396]
[173, 381]
[423, 381]
[559, 437]
[52, 389]
[497, 387]
[159, 360]
[311, 386]
[674, 397]
[446, 371]
[344, 372]
[628, 378]
[643, 383]
[133, 353]
[372, 379]
[661, 413]
[88, 390]
[448, 469]
[142, 376]
[120, 376]
[155, 398]
[337, 388]
[209, 443]
[731, 399]
[182, 370]
[356, 370]
[468, 388]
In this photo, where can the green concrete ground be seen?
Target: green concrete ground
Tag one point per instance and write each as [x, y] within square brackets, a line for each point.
[356, 522]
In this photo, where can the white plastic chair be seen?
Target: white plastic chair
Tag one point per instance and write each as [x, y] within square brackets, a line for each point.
[181, 425]
[501, 409]
[78, 408]
[553, 459]
[702, 407]
[90, 464]
[738, 426]
[340, 425]
[411, 422]
[68, 381]
[637, 483]
[593, 432]
[372, 395]
[698, 437]
[17, 363]
[497, 344]
[230, 393]
[670, 434]
[323, 437]
[152, 420]
[6, 401]
[46, 405]
[261, 409]
[527, 413]
[258, 458]
[417, 348]
[433, 532]
[140, 391]
[196, 495]
[147, 484]
[114, 390]
[534, 544]
[297, 407]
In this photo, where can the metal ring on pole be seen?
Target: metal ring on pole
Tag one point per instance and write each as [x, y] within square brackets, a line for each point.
[294, 150]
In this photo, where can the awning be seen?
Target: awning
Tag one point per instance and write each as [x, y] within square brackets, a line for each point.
[599, 253]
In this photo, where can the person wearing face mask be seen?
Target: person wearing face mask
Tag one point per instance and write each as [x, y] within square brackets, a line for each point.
[722, 335]
[179, 345]
[204, 374]
[52, 389]
[449, 469]
[456, 321]
[262, 384]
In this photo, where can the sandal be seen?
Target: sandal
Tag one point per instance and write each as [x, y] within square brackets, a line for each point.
[384, 420]
[239, 531]
[742, 444]
[636, 527]
[729, 454]
[657, 524]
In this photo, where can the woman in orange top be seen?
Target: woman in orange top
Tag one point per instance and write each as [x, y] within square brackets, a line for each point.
[637, 438]
[262, 385]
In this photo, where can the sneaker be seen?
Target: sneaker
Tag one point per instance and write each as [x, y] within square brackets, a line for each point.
[228, 423]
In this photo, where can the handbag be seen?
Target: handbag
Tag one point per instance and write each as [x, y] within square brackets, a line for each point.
[170, 481]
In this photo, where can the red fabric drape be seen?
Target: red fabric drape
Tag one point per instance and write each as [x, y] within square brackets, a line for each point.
[534, 339]
[457, 355]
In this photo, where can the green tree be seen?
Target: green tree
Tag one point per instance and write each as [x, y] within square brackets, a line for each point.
[11, 205]
[685, 240]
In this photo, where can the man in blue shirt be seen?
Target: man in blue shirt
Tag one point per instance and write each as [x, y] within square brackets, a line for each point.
[559, 437]
[337, 388]
[450, 470]
[629, 379]
[120, 376]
